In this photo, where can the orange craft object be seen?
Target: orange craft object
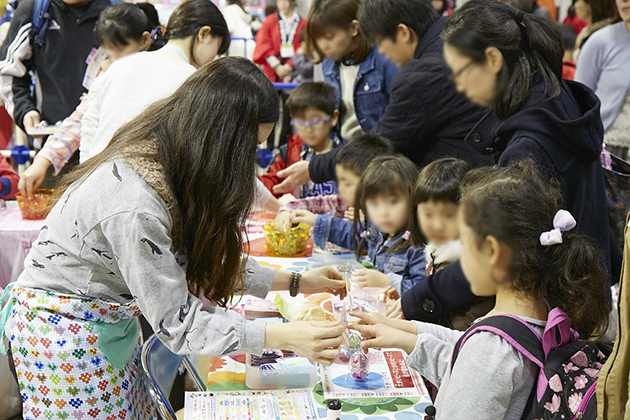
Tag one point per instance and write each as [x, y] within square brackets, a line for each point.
[35, 207]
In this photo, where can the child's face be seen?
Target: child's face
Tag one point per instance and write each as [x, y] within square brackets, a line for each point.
[438, 221]
[347, 181]
[336, 43]
[475, 263]
[314, 126]
[388, 212]
[486, 265]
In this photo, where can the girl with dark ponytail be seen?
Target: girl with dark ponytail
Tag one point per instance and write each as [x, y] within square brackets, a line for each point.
[520, 246]
[511, 62]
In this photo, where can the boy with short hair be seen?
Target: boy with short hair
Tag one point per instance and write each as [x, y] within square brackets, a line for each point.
[351, 162]
[312, 107]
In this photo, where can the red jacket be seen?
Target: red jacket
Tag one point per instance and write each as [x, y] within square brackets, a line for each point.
[290, 153]
[8, 179]
[568, 70]
[268, 43]
[293, 152]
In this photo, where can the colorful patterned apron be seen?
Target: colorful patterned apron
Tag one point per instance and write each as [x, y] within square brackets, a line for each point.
[61, 370]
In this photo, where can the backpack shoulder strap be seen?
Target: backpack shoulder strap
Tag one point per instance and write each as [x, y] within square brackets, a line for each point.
[512, 329]
[41, 19]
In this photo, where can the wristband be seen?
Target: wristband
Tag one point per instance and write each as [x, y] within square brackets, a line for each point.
[294, 288]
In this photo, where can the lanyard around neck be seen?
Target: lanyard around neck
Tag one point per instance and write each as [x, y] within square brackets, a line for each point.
[287, 38]
[177, 50]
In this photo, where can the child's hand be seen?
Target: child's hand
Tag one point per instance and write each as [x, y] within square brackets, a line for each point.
[391, 294]
[370, 278]
[349, 215]
[375, 318]
[303, 216]
[284, 221]
[383, 336]
[394, 310]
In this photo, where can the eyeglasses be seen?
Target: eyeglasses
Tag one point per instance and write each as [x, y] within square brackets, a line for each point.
[318, 124]
[461, 71]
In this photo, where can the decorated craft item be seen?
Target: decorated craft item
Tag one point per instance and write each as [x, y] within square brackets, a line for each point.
[359, 366]
[35, 207]
[286, 244]
[300, 311]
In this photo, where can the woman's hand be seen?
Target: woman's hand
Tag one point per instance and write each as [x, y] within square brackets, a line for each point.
[325, 279]
[283, 70]
[303, 216]
[33, 176]
[319, 341]
[284, 221]
[370, 278]
[295, 176]
[381, 336]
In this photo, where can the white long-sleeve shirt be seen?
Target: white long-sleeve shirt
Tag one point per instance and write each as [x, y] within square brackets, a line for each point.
[129, 86]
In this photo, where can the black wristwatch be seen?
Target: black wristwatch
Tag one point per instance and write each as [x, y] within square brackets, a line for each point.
[294, 288]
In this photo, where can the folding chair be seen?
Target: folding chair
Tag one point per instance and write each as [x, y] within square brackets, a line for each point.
[161, 367]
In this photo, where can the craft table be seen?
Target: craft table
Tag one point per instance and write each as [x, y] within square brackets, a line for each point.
[227, 373]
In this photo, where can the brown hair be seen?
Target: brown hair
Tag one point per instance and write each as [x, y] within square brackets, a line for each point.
[326, 14]
[385, 175]
[602, 9]
[438, 181]
[207, 136]
[515, 205]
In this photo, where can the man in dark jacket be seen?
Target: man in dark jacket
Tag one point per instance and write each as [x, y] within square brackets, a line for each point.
[564, 136]
[426, 118]
[58, 65]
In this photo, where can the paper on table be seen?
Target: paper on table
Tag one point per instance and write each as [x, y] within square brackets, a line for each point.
[294, 404]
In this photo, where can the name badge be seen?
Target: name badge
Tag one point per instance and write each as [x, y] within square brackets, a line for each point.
[287, 51]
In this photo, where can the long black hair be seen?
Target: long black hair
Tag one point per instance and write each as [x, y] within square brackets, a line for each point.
[121, 22]
[515, 205]
[528, 44]
[192, 15]
[207, 135]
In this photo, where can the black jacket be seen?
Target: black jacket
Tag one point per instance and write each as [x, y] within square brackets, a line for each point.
[59, 65]
[564, 136]
[426, 118]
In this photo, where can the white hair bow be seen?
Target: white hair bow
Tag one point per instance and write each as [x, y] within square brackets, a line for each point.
[563, 221]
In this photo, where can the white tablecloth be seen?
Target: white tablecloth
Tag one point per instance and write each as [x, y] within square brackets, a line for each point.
[16, 237]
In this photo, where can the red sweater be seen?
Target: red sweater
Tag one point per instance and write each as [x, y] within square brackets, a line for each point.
[269, 42]
[8, 179]
[293, 153]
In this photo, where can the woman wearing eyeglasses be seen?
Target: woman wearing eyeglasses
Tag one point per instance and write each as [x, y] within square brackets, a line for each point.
[511, 62]
[314, 116]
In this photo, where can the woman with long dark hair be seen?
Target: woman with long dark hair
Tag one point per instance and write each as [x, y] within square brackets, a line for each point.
[511, 62]
[179, 178]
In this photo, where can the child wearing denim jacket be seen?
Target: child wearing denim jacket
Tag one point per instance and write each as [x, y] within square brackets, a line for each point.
[384, 197]
[351, 163]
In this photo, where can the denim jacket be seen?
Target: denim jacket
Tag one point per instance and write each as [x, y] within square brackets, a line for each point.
[404, 270]
[371, 90]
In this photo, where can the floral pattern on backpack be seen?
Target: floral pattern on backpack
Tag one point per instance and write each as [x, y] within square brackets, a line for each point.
[571, 390]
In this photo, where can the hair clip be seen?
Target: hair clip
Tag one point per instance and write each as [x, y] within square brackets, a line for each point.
[406, 235]
[363, 234]
[563, 221]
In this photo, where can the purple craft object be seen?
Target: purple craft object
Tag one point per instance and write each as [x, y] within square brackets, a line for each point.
[359, 366]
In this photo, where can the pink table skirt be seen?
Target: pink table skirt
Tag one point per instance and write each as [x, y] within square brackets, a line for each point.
[16, 237]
